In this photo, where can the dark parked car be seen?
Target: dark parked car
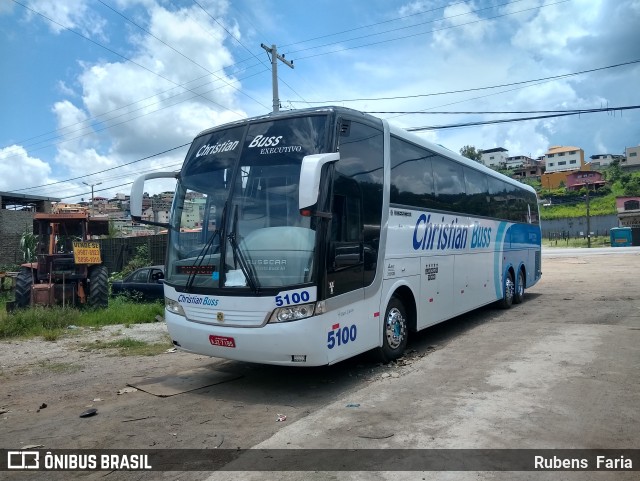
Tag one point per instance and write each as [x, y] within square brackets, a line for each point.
[145, 284]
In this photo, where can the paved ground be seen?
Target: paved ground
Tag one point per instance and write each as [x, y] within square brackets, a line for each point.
[559, 371]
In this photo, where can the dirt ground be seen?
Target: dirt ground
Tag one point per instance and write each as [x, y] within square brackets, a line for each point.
[478, 361]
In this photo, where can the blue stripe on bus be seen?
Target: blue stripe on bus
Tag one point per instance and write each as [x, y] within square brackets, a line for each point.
[498, 249]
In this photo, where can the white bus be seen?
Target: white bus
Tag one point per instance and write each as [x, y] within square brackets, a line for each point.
[324, 233]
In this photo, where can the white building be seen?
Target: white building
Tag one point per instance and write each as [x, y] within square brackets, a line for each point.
[494, 157]
[561, 159]
[632, 157]
[154, 215]
[518, 161]
[599, 161]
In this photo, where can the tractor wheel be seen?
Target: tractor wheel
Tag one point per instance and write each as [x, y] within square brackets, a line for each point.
[24, 281]
[98, 286]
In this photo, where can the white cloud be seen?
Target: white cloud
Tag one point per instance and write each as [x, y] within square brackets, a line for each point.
[460, 25]
[415, 7]
[76, 15]
[111, 96]
[25, 171]
[551, 28]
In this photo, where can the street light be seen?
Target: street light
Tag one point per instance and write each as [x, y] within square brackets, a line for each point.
[91, 185]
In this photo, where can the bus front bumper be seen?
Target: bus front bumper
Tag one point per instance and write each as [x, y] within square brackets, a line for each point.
[297, 343]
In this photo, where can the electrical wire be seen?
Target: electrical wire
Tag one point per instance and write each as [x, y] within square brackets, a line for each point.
[122, 56]
[411, 26]
[104, 170]
[502, 121]
[180, 53]
[427, 32]
[395, 19]
[474, 89]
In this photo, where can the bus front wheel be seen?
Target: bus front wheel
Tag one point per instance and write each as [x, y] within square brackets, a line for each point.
[509, 289]
[394, 331]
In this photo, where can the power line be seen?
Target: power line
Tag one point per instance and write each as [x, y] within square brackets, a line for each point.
[180, 53]
[123, 57]
[502, 121]
[486, 112]
[375, 24]
[427, 32]
[244, 46]
[408, 26]
[105, 170]
[107, 127]
[474, 89]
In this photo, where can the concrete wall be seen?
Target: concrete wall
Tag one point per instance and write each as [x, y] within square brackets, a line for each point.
[600, 225]
[13, 224]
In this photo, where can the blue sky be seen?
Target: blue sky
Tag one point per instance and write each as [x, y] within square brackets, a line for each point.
[97, 86]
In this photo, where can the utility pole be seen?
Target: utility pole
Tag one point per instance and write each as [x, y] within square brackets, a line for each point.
[91, 185]
[273, 53]
[588, 220]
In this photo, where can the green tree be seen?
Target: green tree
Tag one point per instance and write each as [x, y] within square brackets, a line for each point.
[632, 187]
[470, 152]
[613, 172]
[141, 259]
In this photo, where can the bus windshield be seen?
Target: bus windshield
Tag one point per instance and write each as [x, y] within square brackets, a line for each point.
[237, 199]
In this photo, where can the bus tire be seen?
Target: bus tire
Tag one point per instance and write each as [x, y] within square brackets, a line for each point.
[395, 331]
[98, 287]
[509, 288]
[518, 293]
[24, 281]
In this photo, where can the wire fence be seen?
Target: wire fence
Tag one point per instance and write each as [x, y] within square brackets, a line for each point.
[117, 252]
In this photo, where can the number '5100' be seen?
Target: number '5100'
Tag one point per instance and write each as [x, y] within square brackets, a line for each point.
[294, 298]
[341, 336]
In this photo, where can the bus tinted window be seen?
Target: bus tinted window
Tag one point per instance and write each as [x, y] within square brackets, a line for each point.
[477, 189]
[362, 159]
[411, 175]
[498, 198]
[449, 184]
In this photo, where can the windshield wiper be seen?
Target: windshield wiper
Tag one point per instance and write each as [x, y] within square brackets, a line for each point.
[246, 268]
[200, 258]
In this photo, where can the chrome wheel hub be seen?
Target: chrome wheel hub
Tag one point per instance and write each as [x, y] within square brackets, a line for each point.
[395, 328]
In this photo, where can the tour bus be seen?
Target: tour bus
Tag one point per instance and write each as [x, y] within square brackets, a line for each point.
[309, 236]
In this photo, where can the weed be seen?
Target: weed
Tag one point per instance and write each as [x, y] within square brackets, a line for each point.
[51, 322]
[52, 334]
[132, 347]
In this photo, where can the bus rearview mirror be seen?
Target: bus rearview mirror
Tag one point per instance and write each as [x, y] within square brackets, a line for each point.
[310, 172]
[137, 192]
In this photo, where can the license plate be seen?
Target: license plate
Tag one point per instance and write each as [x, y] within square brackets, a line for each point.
[222, 341]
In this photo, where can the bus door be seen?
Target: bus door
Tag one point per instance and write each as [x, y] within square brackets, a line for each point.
[345, 259]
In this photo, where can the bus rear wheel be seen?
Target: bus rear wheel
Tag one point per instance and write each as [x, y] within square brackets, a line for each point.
[395, 330]
[518, 295]
[509, 289]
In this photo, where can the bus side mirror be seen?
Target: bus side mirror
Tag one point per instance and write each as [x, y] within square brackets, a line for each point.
[309, 185]
[137, 193]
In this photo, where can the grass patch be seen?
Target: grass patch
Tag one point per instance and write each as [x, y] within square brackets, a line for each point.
[52, 322]
[596, 241]
[131, 347]
[604, 205]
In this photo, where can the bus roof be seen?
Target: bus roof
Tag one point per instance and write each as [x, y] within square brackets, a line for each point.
[394, 130]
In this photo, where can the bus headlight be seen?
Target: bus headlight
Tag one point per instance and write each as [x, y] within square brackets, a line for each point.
[174, 307]
[292, 313]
